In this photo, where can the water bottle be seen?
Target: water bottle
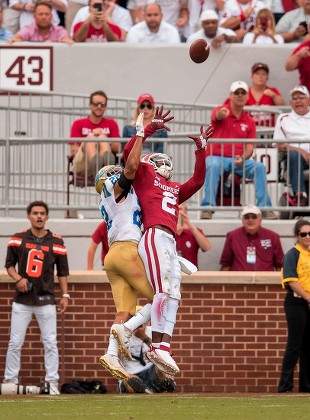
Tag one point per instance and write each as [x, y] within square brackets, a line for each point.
[227, 186]
[12, 389]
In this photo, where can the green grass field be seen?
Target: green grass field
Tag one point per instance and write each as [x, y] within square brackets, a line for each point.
[159, 407]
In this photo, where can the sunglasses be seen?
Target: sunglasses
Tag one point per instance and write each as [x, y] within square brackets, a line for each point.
[304, 234]
[240, 92]
[299, 98]
[148, 106]
[102, 104]
[250, 216]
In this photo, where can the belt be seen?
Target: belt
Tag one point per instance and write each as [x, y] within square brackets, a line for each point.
[164, 228]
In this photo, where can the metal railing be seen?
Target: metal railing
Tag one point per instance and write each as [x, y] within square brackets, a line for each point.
[37, 169]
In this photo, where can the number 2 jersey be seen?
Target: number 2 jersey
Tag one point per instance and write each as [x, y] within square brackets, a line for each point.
[123, 219]
[36, 262]
[159, 197]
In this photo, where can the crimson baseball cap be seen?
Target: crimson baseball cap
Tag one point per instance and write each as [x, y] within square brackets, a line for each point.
[146, 97]
[260, 66]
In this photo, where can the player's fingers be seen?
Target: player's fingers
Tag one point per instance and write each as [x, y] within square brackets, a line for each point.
[168, 119]
[167, 128]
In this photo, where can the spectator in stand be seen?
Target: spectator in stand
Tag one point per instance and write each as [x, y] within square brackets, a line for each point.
[295, 125]
[100, 235]
[195, 8]
[174, 12]
[144, 376]
[296, 281]
[293, 25]
[240, 15]
[211, 32]
[146, 104]
[189, 238]
[153, 30]
[5, 35]
[91, 156]
[264, 30]
[300, 60]
[96, 28]
[280, 7]
[28, 7]
[42, 29]
[73, 7]
[252, 247]
[115, 15]
[231, 121]
[261, 94]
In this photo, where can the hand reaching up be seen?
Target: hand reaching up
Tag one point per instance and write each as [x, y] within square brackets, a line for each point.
[160, 119]
[139, 125]
[202, 140]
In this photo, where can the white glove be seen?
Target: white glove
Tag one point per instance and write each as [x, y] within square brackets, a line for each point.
[139, 125]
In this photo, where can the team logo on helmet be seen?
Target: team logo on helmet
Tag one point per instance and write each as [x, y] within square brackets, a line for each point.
[161, 163]
[105, 173]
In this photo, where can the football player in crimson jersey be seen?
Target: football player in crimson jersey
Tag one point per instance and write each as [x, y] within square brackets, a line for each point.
[159, 198]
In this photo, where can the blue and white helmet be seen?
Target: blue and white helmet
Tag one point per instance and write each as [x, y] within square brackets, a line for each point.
[105, 173]
[161, 163]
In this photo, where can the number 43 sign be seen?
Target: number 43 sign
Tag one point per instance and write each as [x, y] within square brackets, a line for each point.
[26, 68]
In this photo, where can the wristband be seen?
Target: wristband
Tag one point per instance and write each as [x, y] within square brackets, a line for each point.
[66, 295]
[242, 17]
[146, 340]
[17, 281]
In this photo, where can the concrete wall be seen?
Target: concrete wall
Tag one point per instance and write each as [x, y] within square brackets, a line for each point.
[77, 232]
[166, 71]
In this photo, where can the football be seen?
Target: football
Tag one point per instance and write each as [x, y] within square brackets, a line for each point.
[199, 51]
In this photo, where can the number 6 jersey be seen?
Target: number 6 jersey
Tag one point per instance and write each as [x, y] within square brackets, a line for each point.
[36, 262]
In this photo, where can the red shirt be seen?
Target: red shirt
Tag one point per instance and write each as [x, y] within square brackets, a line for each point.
[83, 127]
[98, 35]
[261, 118]
[187, 246]
[242, 127]
[303, 66]
[101, 235]
[268, 250]
[159, 198]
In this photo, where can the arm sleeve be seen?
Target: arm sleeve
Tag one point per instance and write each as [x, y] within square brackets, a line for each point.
[191, 186]
[289, 271]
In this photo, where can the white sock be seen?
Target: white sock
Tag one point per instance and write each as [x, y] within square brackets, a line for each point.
[141, 317]
[113, 345]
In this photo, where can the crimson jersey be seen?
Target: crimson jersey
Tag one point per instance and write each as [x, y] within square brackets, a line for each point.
[36, 262]
[159, 198]
[83, 127]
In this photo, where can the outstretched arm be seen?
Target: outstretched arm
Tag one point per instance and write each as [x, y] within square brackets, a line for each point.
[132, 163]
[158, 123]
[191, 186]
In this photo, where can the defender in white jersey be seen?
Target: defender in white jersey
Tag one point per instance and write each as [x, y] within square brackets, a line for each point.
[121, 211]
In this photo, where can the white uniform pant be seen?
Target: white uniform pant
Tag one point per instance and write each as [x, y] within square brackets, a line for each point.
[157, 249]
[21, 318]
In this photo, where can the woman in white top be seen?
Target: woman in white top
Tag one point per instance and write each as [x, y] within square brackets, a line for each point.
[264, 30]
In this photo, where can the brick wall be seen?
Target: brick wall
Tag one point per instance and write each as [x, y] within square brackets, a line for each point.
[230, 334]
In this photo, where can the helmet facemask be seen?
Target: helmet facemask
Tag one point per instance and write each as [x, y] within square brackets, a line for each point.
[161, 163]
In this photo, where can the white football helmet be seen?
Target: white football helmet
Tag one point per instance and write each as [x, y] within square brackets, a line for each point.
[105, 173]
[161, 163]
